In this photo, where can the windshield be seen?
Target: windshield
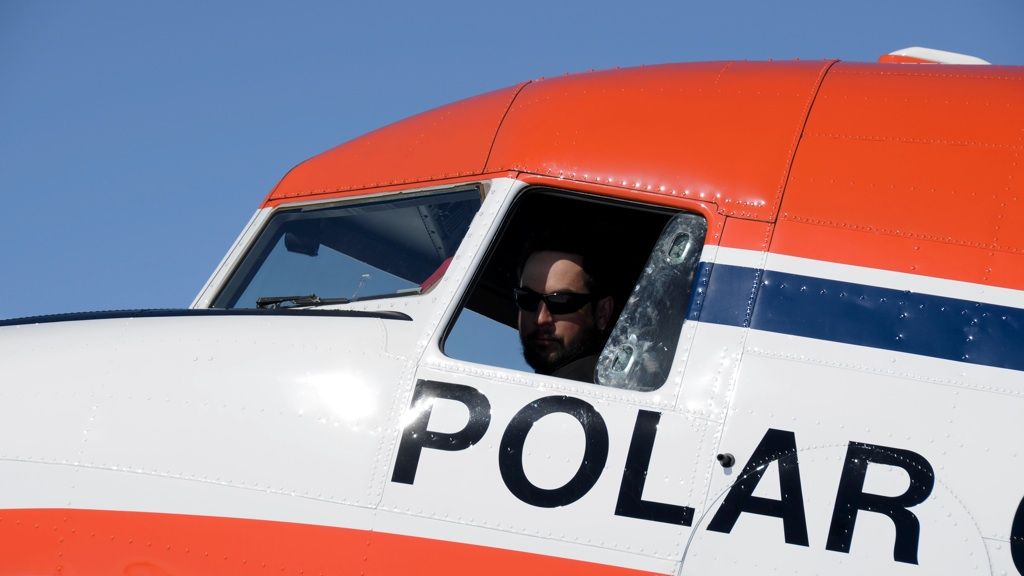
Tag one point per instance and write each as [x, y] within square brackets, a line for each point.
[355, 251]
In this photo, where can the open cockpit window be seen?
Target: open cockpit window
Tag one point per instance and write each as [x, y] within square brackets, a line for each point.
[356, 251]
[594, 290]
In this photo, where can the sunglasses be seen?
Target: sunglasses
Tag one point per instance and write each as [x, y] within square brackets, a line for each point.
[557, 302]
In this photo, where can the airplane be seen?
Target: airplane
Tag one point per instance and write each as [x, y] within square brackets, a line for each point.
[818, 366]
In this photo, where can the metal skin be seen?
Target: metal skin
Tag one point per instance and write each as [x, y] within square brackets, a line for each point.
[856, 345]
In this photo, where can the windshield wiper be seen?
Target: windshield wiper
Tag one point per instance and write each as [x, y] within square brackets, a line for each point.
[275, 302]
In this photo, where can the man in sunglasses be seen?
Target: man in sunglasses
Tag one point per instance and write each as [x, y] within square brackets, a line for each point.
[564, 314]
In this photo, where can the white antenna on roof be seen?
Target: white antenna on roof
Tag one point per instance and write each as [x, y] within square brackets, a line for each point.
[918, 55]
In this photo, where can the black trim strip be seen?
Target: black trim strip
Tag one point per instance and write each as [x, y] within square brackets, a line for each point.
[202, 312]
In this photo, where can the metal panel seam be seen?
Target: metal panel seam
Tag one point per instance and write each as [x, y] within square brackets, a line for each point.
[909, 140]
[497, 130]
[777, 201]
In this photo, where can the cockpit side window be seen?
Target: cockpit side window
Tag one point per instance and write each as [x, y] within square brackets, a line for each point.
[358, 251]
[618, 243]
[639, 351]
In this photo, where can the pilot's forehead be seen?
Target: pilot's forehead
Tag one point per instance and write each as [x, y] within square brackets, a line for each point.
[553, 272]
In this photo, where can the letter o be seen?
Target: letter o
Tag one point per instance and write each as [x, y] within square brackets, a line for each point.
[510, 454]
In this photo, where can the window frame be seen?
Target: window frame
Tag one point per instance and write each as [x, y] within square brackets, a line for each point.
[261, 222]
[662, 396]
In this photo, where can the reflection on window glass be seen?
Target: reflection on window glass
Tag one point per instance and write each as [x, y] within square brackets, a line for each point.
[642, 345]
[356, 251]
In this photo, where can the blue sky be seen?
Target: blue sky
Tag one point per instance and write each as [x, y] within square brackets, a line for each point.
[137, 138]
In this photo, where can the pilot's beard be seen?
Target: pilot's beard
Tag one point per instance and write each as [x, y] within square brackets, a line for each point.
[587, 344]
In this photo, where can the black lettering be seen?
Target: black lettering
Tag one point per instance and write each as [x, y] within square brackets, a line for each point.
[851, 498]
[780, 446]
[510, 455]
[416, 437]
[1017, 538]
[631, 503]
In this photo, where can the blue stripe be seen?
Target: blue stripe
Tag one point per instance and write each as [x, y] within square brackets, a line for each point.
[898, 320]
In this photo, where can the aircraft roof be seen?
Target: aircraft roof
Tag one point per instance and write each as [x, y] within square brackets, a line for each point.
[724, 132]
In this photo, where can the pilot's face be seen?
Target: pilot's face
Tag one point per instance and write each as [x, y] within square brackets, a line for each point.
[552, 340]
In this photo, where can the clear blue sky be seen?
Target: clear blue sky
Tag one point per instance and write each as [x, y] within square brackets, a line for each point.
[136, 138]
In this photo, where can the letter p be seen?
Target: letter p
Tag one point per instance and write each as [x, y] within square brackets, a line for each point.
[416, 437]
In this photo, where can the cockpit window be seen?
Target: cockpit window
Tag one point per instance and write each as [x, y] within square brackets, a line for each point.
[376, 249]
[638, 261]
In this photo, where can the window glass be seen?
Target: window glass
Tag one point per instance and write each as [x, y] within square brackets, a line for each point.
[358, 251]
[480, 339]
[639, 351]
[610, 243]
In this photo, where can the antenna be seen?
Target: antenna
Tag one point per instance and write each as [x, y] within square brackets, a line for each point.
[919, 55]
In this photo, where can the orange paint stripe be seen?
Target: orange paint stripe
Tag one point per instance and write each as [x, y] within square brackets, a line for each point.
[908, 254]
[693, 204]
[447, 142]
[81, 542]
[746, 234]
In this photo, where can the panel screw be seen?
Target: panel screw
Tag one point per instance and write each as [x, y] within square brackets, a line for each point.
[726, 460]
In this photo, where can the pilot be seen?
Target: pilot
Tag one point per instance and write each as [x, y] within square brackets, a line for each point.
[565, 313]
